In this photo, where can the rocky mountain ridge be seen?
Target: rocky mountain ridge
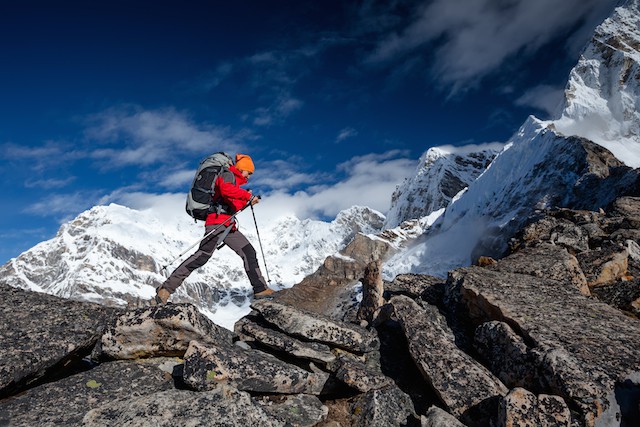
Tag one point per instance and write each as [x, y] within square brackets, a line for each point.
[534, 338]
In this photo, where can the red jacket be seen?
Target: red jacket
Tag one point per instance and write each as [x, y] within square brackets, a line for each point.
[230, 194]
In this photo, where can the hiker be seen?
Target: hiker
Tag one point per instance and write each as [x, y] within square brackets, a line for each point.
[228, 198]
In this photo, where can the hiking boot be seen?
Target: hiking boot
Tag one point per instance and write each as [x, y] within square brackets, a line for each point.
[266, 293]
[162, 296]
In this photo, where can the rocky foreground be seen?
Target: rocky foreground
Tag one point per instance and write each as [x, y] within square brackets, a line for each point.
[546, 336]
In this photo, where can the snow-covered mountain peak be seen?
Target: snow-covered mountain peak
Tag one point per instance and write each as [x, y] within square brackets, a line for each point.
[603, 88]
[442, 172]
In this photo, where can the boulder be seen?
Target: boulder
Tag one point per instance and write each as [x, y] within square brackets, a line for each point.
[546, 261]
[163, 330]
[581, 346]
[605, 264]
[372, 289]
[316, 352]
[556, 231]
[42, 335]
[506, 355]
[385, 407]
[247, 370]
[624, 295]
[314, 327]
[521, 408]
[629, 209]
[469, 390]
[430, 288]
[299, 410]
[436, 417]
[361, 377]
[65, 402]
[224, 407]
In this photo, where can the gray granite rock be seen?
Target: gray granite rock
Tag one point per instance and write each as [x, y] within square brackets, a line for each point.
[546, 261]
[65, 402]
[581, 346]
[314, 327]
[521, 408]
[320, 353]
[417, 286]
[361, 377]
[469, 390]
[300, 410]
[222, 407]
[506, 355]
[605, 264]
[436, 417]
[385, 407]
[372, 290]
[163, 330]
[624, 295]
[42, 335]
[629, 209]
[248, 370]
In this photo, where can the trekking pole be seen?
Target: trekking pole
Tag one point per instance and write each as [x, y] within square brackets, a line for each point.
[205, 236]
[264, 260]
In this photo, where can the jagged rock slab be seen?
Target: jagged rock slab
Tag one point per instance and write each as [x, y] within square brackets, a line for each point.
[163, 330]
[506, 355]
[314, 327]
[467, 388]
[522, 408]
[436, 417]
[416, 286]
[247, 370]
[358, 376]
[623, 295]
[325, 291]
[547, 261]
[276, 340]
[582, 346]
[605, 264]
[385, 407]
[41, 333]
[65, 402]
[222, 407]
[556, 231]
[629, 209]
[300, 410]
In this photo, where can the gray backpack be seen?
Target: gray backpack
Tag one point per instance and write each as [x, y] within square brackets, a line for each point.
[200, 197]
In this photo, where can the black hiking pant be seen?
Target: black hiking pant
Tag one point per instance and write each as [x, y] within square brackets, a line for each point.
[234, 240]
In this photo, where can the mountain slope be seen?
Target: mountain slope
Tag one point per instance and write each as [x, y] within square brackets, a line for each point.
[566, 162]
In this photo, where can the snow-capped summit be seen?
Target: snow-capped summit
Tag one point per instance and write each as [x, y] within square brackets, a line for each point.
[601, 98]
[442, 172]
[546, 164]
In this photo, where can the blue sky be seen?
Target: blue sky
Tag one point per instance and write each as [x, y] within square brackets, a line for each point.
[117, 101]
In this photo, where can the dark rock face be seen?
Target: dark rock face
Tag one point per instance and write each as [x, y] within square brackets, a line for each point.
[164, 330]
[41, 333]
[65, 402]
[462, 383]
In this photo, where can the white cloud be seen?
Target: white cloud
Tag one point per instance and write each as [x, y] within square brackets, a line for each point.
[544, 97]
[370, 180]
[280, 109]
[133, 136]
[62, 205]
[48, 184]
[477, 36]
[346, 133]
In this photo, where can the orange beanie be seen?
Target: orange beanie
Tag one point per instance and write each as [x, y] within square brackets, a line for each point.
[244, 163]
